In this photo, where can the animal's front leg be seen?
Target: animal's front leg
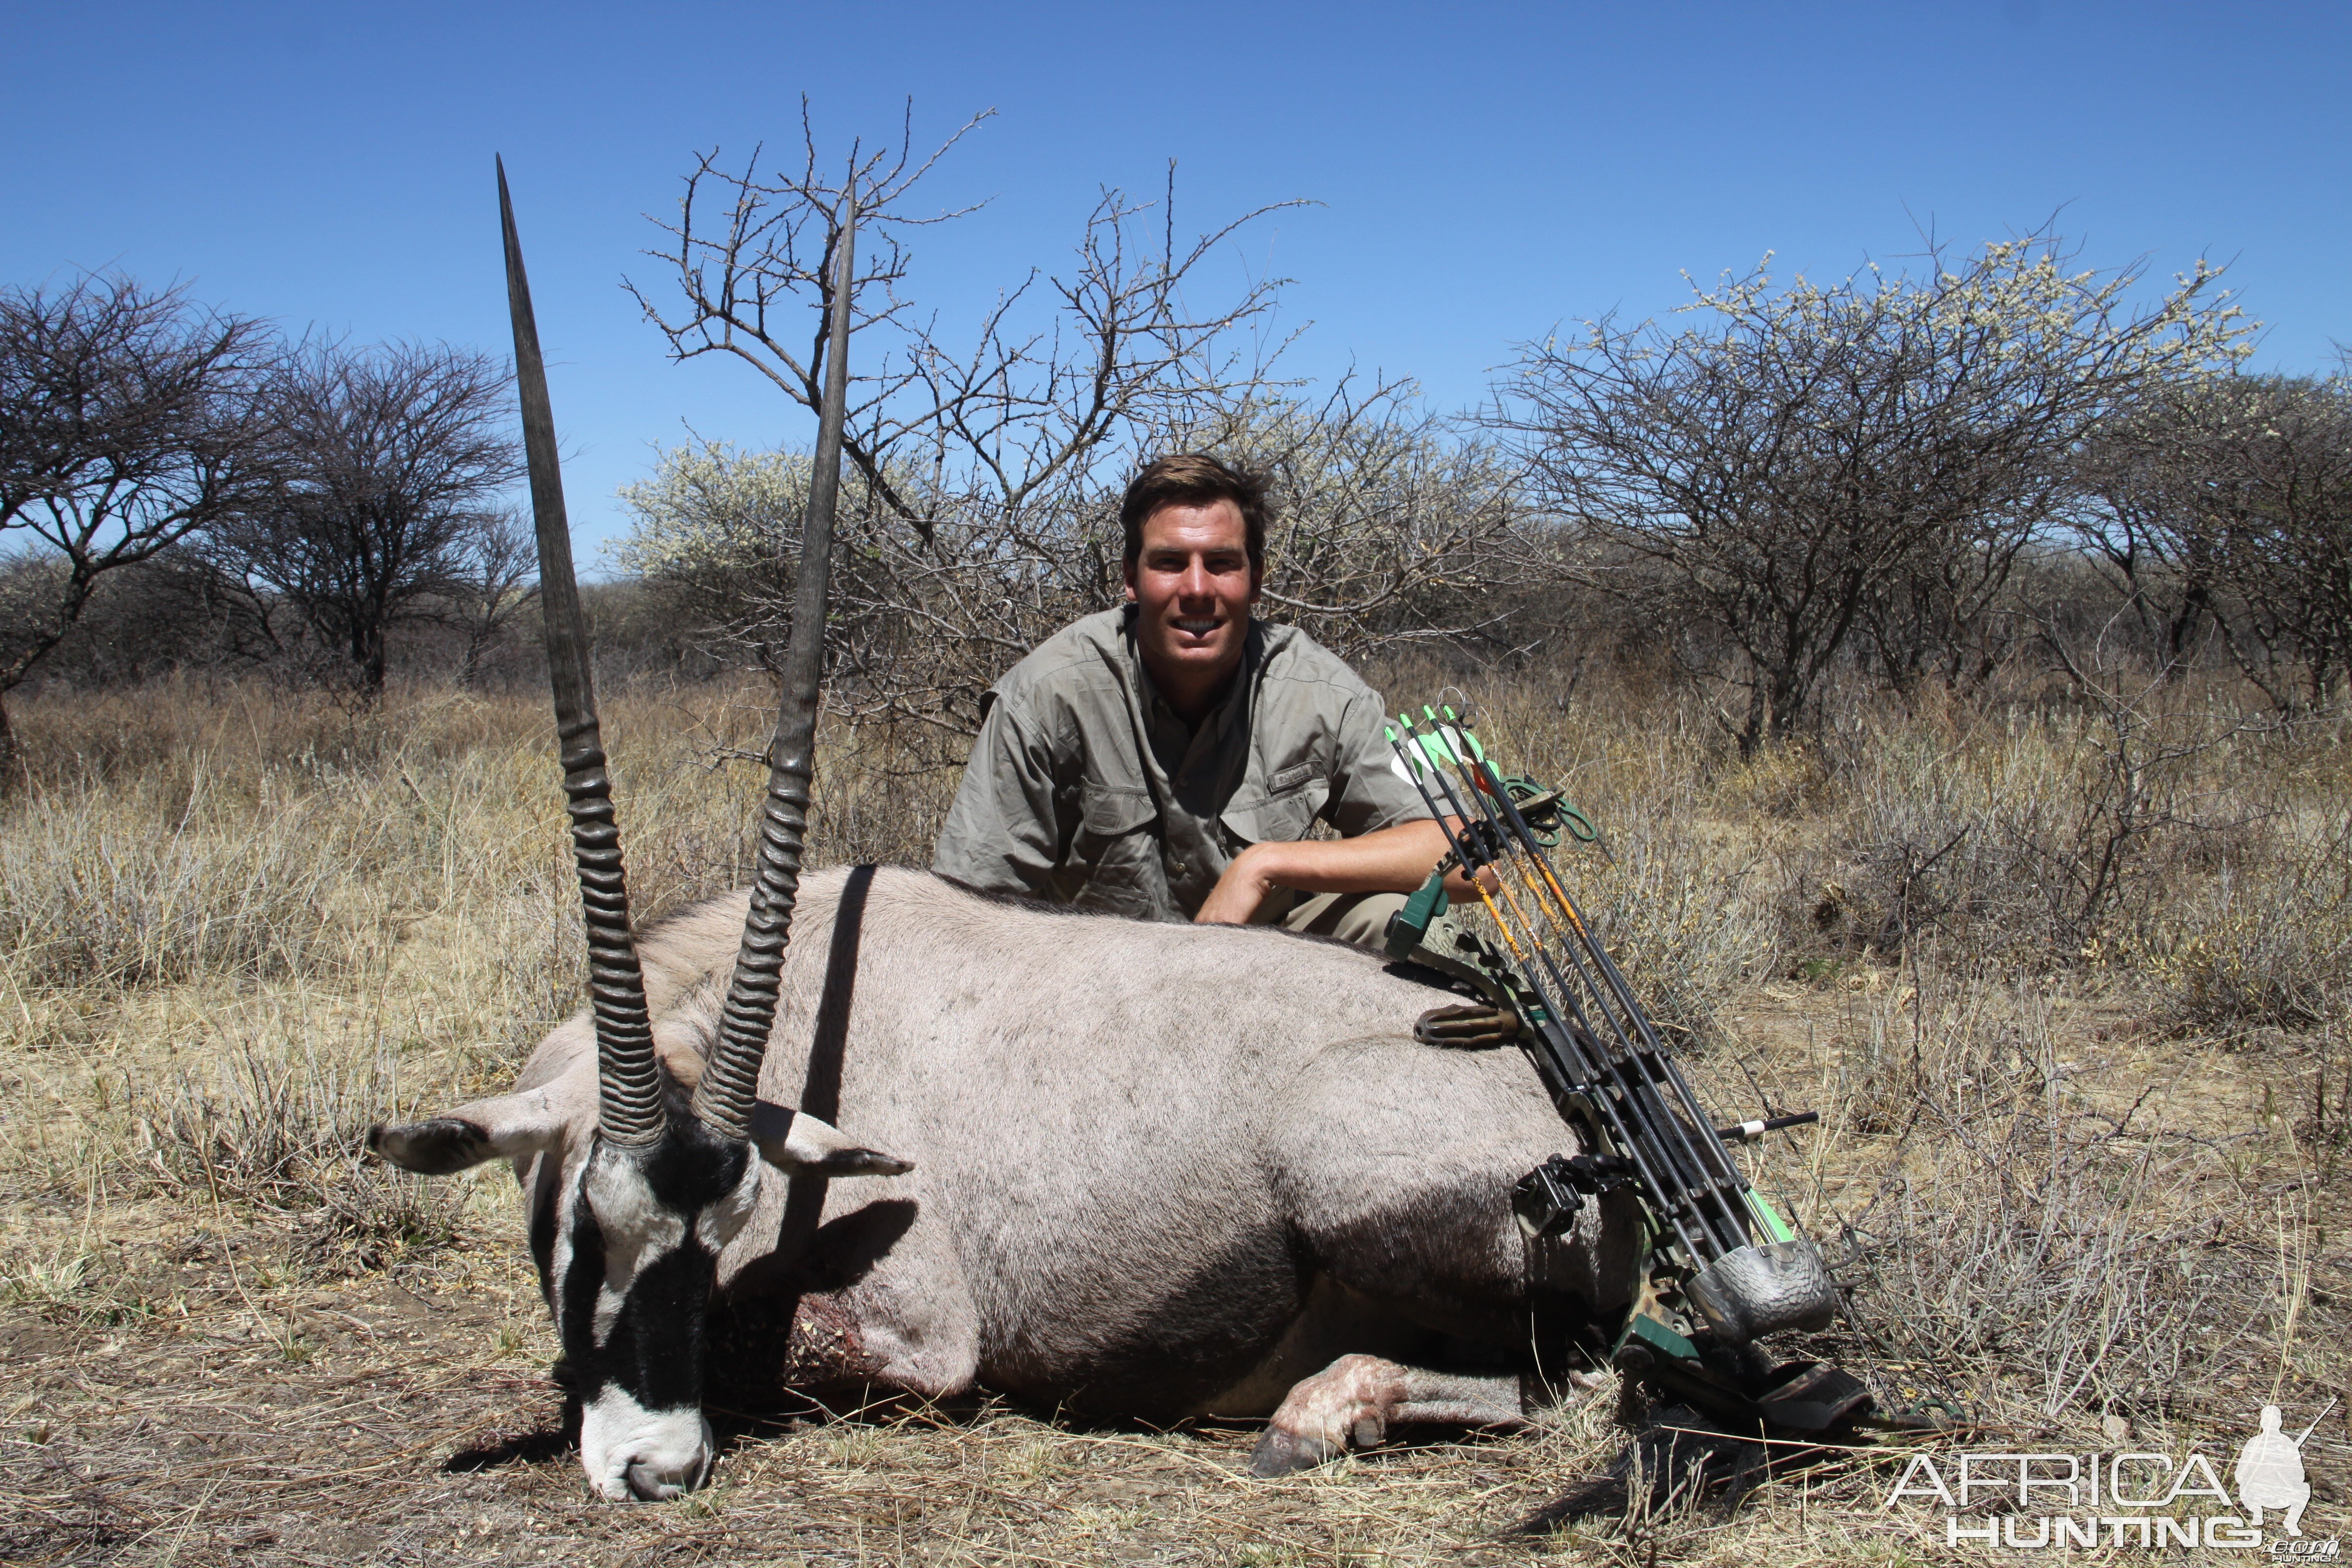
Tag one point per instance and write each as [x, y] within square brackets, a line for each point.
[1358, 1397]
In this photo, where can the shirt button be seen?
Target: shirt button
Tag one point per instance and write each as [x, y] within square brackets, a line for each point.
[1175, 868]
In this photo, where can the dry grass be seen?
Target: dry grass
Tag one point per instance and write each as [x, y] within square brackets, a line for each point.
[2084, 1160]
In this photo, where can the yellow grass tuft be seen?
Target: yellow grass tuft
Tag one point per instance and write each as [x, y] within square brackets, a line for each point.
[2082, 1158]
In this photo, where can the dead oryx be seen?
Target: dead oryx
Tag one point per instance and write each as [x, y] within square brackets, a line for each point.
[1127, 1168]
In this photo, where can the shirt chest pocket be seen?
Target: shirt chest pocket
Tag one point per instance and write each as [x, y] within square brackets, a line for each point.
[1284, 815]
[1113, 860]
[1112, 825]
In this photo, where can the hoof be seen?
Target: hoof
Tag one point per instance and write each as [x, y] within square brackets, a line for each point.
[1281, 1453]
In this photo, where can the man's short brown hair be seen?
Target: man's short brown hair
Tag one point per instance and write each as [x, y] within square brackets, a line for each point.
[1192, 479]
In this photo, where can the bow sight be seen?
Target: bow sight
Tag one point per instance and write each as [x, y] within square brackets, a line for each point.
[1723, 1268]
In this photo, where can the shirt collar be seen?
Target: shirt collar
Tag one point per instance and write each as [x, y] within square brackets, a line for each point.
[1236, 699]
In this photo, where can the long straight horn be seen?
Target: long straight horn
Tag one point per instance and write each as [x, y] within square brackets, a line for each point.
[731, 1082]
[628, 1079]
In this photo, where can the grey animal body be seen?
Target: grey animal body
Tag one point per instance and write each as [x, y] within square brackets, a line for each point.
[1158, 1169]
[1150, 1169]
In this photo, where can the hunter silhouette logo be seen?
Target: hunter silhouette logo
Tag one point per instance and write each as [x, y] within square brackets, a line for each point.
[2270, 1471]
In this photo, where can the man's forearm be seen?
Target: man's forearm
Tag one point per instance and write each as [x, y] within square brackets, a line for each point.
[1390, 860]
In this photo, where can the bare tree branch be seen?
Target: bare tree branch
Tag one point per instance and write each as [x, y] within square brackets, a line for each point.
[1012, 412]
[390, 462]
[1810, 466]
[128, 422]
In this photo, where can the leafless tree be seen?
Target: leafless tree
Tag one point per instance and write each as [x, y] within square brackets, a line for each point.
[982, 511]
[1810, 468]
[497, 582]
[1018, 407]
[1392, 525]
[2134, 525]
[2231, 498]
[128, 422]
[170, 611]
[390, 460]
[2286, 449]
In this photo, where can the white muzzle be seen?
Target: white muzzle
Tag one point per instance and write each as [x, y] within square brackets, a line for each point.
[629, 1451]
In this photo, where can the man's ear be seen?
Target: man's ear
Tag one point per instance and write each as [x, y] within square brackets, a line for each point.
[506, 1128]
[795, 1141]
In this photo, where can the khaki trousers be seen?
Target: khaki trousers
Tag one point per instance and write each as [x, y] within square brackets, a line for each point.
[1359, 918]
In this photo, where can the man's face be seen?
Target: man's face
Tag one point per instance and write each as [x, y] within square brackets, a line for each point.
[1192, 586]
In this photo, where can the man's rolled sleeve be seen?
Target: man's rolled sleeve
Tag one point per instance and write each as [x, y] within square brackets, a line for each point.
[1367, 793]
[1003, 834]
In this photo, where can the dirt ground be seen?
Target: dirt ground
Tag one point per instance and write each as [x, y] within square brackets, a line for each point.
[193, 1388]
[380, 1424]
[2093, 1191]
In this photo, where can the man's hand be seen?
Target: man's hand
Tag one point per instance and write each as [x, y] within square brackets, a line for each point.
[1391, 860]
[1240, 892]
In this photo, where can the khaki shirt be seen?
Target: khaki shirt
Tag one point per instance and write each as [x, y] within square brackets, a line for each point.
[1083, 787]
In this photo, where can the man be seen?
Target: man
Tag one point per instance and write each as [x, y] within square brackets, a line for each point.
[2269, 1472]
[1167, 759]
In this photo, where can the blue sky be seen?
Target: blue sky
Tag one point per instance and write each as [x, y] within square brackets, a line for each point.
[1483, 171]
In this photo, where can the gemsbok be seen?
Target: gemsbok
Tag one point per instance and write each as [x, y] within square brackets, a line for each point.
[1127, 1168]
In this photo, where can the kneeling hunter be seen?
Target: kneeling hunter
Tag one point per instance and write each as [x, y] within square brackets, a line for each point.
[1168, 759]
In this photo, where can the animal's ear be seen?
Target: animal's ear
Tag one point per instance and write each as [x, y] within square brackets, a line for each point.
[508, 1127]
[795, 1141]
